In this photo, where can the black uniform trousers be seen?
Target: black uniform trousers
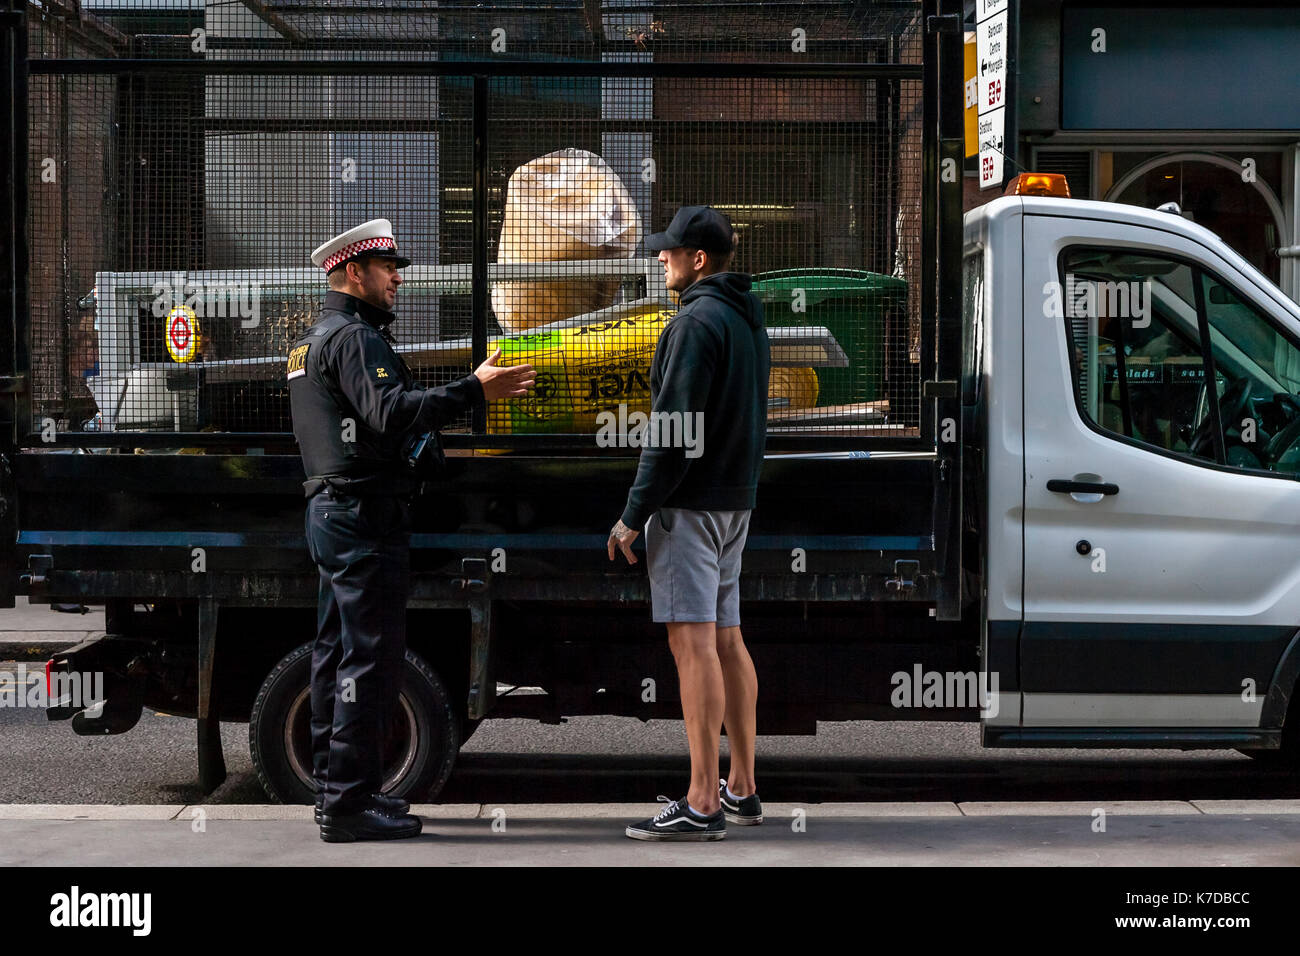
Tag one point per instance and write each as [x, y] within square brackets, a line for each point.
[361, 544]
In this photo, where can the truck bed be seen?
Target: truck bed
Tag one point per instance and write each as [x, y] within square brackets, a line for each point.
[123, 525]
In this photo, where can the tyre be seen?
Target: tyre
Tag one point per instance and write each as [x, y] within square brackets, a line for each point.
[418, 755]
[1286, 757]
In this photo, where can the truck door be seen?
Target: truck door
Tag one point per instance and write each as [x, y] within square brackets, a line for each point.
[1162, 450]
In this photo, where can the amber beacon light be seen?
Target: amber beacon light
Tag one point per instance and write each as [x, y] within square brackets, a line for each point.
[1038, 184]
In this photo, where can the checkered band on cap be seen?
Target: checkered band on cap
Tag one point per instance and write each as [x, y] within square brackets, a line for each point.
[381, 243]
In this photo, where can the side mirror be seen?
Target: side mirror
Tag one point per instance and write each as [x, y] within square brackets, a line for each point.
[1219, 295]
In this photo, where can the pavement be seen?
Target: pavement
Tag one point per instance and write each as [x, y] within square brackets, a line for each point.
[33, 632]
[1201, 833]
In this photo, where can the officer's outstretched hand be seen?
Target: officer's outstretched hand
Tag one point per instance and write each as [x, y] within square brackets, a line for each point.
[509, 381]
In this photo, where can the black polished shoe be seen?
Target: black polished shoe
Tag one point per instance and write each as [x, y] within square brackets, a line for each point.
[369, 824]
[393, 806]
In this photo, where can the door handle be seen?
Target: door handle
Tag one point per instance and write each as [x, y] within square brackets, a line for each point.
[1067, 486]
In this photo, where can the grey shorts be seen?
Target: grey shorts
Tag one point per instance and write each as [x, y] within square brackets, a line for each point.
[693, 558]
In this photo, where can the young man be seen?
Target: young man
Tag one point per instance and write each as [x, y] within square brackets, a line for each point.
[711, 363]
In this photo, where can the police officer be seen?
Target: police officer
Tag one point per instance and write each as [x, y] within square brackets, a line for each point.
[356, 411]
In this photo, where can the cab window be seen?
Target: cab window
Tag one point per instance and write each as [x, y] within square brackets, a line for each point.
[1259, 367]
[1147, 334]
[1139, 370]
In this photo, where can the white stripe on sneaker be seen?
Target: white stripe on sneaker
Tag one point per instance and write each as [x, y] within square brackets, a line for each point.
[694, 823]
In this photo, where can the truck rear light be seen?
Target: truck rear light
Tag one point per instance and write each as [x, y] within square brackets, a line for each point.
[1038, 184]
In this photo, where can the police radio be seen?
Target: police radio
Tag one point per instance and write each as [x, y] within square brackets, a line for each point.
[423, 456]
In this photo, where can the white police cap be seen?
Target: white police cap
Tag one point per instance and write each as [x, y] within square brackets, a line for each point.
[373, 238]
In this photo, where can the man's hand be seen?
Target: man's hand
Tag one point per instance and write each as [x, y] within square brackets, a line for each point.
[623, 536]
[510, 381]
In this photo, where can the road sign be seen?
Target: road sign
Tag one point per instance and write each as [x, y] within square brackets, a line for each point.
[991, 51]
[992, 146]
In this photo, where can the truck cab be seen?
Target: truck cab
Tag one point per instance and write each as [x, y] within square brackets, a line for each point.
[1132, 384]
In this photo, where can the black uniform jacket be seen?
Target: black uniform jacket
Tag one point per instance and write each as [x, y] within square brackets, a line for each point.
[355, 402]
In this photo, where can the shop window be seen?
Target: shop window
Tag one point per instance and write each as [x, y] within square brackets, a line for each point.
[1220, 193]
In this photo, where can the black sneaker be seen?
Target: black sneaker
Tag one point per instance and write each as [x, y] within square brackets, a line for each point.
[747, 811]
[677, 822]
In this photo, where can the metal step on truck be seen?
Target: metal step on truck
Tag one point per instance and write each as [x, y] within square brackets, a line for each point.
[1037, 471]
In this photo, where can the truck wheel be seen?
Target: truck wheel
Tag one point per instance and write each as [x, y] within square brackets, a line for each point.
[1286, 757]
[418, 756]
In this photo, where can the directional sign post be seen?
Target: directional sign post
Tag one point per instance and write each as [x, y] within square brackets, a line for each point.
[992, 48]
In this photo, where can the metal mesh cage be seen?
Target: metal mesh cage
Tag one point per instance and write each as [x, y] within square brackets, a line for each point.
[180, 181]
[766, 31]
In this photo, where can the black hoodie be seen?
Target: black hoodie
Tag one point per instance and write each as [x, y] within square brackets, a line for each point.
[710, 368]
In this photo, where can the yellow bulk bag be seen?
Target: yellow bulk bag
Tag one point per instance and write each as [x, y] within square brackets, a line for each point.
[587, 369]
[581, 371]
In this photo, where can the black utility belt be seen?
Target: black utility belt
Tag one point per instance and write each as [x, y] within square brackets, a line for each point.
[333, 487]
